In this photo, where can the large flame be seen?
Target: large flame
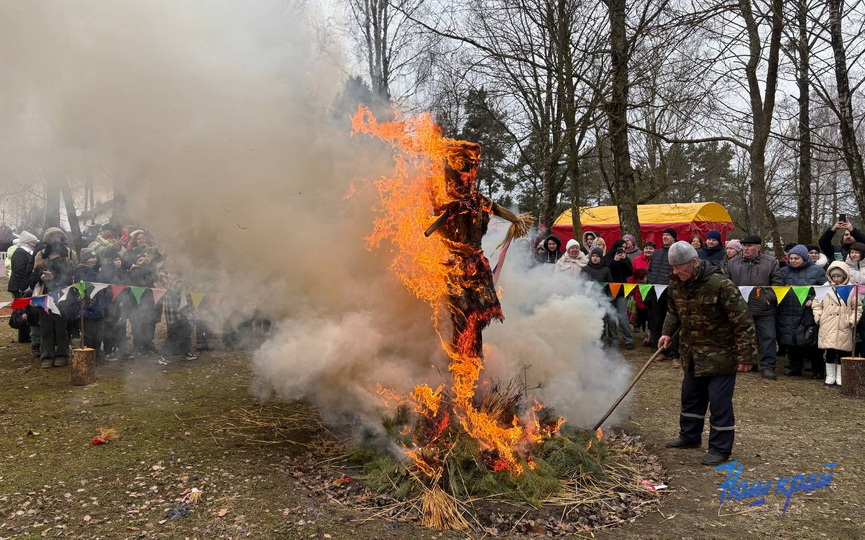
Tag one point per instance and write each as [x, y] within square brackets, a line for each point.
[436, 268]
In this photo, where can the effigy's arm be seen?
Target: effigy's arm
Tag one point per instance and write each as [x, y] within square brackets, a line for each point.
[520, 223]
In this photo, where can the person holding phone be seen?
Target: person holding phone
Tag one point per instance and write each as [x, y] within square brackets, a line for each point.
[850, 236]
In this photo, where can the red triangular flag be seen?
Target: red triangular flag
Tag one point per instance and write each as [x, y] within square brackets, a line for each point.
[117, 289]
[157, 295]
[20, 303]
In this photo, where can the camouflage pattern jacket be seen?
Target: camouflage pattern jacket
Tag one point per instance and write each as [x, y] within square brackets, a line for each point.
[717, 331]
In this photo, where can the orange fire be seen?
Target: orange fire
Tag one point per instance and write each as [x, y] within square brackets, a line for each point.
[437, 269]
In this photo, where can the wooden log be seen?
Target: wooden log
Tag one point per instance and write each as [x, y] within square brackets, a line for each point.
[853, 376]
[83, 367]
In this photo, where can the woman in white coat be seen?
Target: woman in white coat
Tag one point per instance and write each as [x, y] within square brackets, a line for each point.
[573, 261]
[836, 317]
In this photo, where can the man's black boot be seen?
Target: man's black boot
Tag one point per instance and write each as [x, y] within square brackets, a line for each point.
[681, 443]
[713, 458]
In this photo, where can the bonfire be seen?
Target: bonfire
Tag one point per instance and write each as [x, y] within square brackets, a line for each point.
[471, 436]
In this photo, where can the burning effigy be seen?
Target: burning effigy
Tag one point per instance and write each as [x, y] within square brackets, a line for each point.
[468, 436]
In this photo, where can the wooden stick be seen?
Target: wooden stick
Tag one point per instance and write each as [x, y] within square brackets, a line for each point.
[633, 383]
[83, 295]
[855, 322]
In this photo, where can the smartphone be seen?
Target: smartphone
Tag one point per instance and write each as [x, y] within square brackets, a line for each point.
[842, 217]
[620, 250]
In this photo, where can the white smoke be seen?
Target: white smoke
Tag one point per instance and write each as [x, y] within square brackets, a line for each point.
[553, 324]
[214, 119]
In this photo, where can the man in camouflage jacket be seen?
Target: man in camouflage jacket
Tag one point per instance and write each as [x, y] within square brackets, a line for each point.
[716, 334]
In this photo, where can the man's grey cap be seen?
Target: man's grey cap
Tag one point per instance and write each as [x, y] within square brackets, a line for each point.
[681, 252]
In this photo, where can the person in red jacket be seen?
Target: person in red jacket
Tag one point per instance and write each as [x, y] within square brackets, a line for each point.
[643, 260]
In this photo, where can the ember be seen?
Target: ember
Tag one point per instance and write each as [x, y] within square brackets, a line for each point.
[434, 193]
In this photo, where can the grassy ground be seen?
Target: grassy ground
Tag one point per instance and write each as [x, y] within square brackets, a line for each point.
[171, 422]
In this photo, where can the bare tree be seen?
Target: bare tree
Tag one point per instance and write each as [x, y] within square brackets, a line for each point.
[391, 44]
[844, 108]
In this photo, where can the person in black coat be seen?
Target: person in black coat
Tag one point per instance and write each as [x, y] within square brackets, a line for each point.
[659, 274]
[713, 250]
[95, 305]
[22, 269]
[552, 249]
[620, 269]
[146, 314]
[840, 252]
[597, 271]
[53, 273]
[800, 271]
[117, 309]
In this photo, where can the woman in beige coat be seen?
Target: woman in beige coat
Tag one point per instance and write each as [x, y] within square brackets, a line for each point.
[836, 318]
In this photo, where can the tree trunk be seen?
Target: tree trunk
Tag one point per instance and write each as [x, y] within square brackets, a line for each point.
[804, 235]
[74, 226]
[852, 155]
[762, 106]
[617, 112]
[118, 209]
[567, 104]
[52, 204]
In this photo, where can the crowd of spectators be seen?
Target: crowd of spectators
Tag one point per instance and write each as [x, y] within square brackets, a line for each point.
[38, 267]
[812, 332]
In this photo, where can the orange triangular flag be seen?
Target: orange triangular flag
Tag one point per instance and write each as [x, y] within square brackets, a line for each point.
[615, 288]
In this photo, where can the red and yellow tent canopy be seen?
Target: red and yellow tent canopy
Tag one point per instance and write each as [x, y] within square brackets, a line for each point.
[686, 218]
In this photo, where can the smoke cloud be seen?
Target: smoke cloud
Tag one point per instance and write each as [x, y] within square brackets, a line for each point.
[215, 121]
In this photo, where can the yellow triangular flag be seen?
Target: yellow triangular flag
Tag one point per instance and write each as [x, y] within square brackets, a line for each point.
[629, 288]
[780, 291]
[197, 297]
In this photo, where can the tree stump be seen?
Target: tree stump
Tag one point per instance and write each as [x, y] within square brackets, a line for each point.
[853, 376]
[83, 367]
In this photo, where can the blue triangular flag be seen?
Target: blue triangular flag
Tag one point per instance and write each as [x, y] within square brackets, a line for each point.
[843, 291]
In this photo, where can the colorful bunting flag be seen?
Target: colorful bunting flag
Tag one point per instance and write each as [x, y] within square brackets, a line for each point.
[64, 292]
[117, 289]
[644, 290]
[137, 292]
[801, 292]
[820, 291]
[629, 288]
[614, 290]
[659, 290]
[183, 302]
[216, 298]
[97, 288]
[157, 295]
[780, 291]
[196, 299]
[843, 291]
[746, 292]
[51, 302]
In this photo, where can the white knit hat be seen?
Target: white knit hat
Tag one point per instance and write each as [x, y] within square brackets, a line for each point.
[25, 238]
